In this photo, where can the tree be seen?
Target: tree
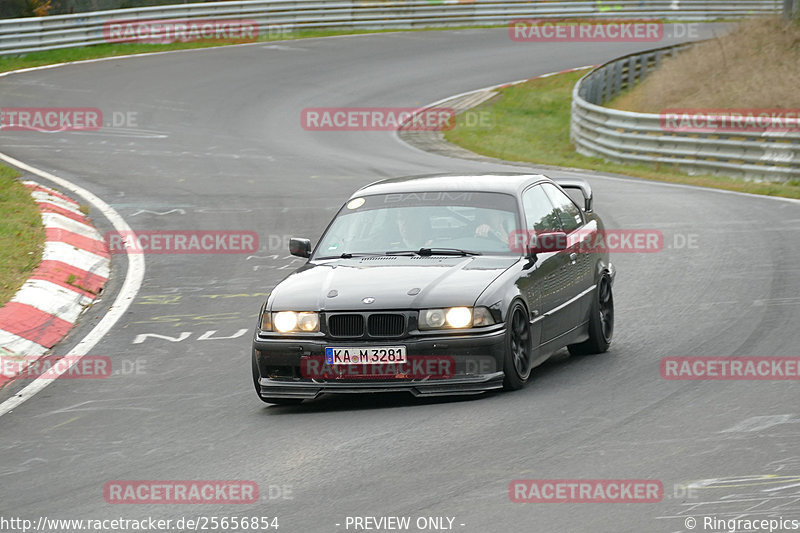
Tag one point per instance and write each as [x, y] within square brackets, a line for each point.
[25, 8]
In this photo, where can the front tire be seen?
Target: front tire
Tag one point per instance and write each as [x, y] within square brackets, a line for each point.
[601, 322]
[517, 360]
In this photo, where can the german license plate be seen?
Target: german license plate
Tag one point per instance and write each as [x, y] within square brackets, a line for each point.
[359, 355]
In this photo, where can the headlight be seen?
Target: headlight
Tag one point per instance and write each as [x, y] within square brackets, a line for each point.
[308, 321]
[481, 316]
[266, 320]
[431, 318]
[458, 317]
[287, 321]
[455, 318]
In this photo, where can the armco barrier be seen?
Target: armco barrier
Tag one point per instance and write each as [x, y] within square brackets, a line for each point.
[627, 137]
[20, 36]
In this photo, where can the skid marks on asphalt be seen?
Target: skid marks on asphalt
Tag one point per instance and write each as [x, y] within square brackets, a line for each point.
[215, 316]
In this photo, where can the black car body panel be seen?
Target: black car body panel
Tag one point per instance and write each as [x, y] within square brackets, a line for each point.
[376, 299]
[440, 281]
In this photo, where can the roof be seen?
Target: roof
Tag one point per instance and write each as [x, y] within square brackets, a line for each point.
[509, 183]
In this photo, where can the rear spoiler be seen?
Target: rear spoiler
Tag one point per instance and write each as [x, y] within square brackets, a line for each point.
[580, 184]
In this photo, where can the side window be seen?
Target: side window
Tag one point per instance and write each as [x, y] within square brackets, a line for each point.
[540, 215]
[568, 213]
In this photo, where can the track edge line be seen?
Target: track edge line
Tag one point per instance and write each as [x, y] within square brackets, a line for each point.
[128, 291]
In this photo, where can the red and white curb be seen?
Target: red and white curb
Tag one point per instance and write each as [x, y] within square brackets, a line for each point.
[75, 266]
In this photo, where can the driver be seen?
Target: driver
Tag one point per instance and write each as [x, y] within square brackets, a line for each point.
[493, 227]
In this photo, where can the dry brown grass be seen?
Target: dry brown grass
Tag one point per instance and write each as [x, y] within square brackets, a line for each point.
[755, 66]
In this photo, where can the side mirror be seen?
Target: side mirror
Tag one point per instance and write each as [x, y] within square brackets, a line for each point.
[545, 242]
[578, 184]
[587, 207]
[300, 247]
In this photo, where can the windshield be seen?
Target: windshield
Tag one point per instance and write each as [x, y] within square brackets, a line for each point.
[475, 222]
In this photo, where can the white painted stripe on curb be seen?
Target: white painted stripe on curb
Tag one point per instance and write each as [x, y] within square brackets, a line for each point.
[66, 253]
[56, 221]
[41, 196]
[128, 291]
[11, 344]
[53, 299]
[38, 188]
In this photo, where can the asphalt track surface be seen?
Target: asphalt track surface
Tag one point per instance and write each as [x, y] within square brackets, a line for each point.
[218, 145]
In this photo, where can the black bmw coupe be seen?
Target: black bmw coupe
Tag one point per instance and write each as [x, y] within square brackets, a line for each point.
[438, 285]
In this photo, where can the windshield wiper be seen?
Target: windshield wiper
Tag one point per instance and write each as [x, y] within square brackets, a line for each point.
[421, 252]
[402, 252]
[434, 251]
[348, 255]
[446, 251]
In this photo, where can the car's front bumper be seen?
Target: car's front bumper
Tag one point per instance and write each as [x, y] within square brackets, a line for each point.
[477, 363]
[306, 390]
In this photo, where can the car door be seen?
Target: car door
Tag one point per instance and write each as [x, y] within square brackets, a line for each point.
[580, 273]
[545, 282]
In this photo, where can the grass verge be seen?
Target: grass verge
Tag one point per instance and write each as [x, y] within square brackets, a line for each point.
[529, 122]
[21, 234]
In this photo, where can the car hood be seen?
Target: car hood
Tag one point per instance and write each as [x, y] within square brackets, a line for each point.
[393, 282]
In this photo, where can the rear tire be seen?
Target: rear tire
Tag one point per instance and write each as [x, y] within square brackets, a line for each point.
[257, 385]
[517, 360]
[601, 322]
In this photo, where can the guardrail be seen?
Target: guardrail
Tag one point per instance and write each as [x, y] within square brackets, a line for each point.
[20, 36]
[627, 137]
